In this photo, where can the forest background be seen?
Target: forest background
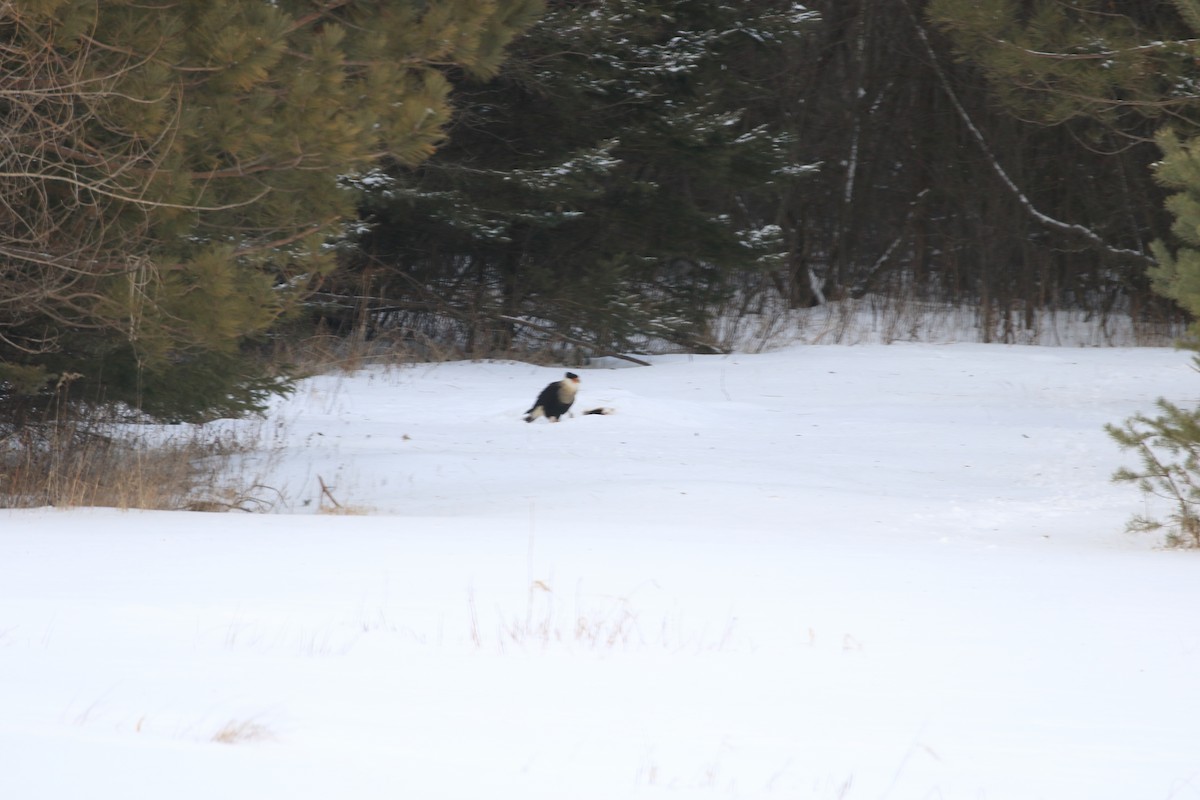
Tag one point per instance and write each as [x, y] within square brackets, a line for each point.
[192, 190]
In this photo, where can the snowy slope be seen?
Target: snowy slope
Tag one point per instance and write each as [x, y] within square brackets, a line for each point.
[826, 572]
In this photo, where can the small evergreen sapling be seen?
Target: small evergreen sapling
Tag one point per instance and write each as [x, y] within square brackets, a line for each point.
[1168, 447]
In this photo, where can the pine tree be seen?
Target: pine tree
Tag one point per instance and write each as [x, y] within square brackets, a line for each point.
[172, 177]
[604, 188]
[1177, 274]
[1168, 451]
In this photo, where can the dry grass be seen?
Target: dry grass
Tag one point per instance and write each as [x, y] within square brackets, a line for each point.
[597, 625]
[98, 464]
[242, 732]
[346, 511]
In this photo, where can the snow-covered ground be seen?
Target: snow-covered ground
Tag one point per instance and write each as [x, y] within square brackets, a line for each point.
[824, 572]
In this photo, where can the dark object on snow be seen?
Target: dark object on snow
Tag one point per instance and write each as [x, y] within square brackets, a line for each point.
[555, 399]
[601, 410]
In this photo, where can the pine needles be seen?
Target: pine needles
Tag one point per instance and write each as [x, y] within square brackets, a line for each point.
[1168, 447]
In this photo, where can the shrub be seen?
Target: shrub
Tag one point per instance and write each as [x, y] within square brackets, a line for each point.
[1168, 447]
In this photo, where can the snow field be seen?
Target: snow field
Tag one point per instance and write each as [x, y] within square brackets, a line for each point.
[825, 572]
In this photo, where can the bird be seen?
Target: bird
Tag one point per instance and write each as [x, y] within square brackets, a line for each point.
[555, 400]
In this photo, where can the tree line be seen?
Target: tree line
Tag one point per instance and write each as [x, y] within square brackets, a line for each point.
[184, 182]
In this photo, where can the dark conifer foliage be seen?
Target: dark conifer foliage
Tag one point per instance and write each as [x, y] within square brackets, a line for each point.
[637, 161]
[606, 188]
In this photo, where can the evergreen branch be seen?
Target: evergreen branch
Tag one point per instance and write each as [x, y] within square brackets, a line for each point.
[318, 14]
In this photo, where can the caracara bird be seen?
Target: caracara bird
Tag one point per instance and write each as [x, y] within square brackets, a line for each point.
[555, 399]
